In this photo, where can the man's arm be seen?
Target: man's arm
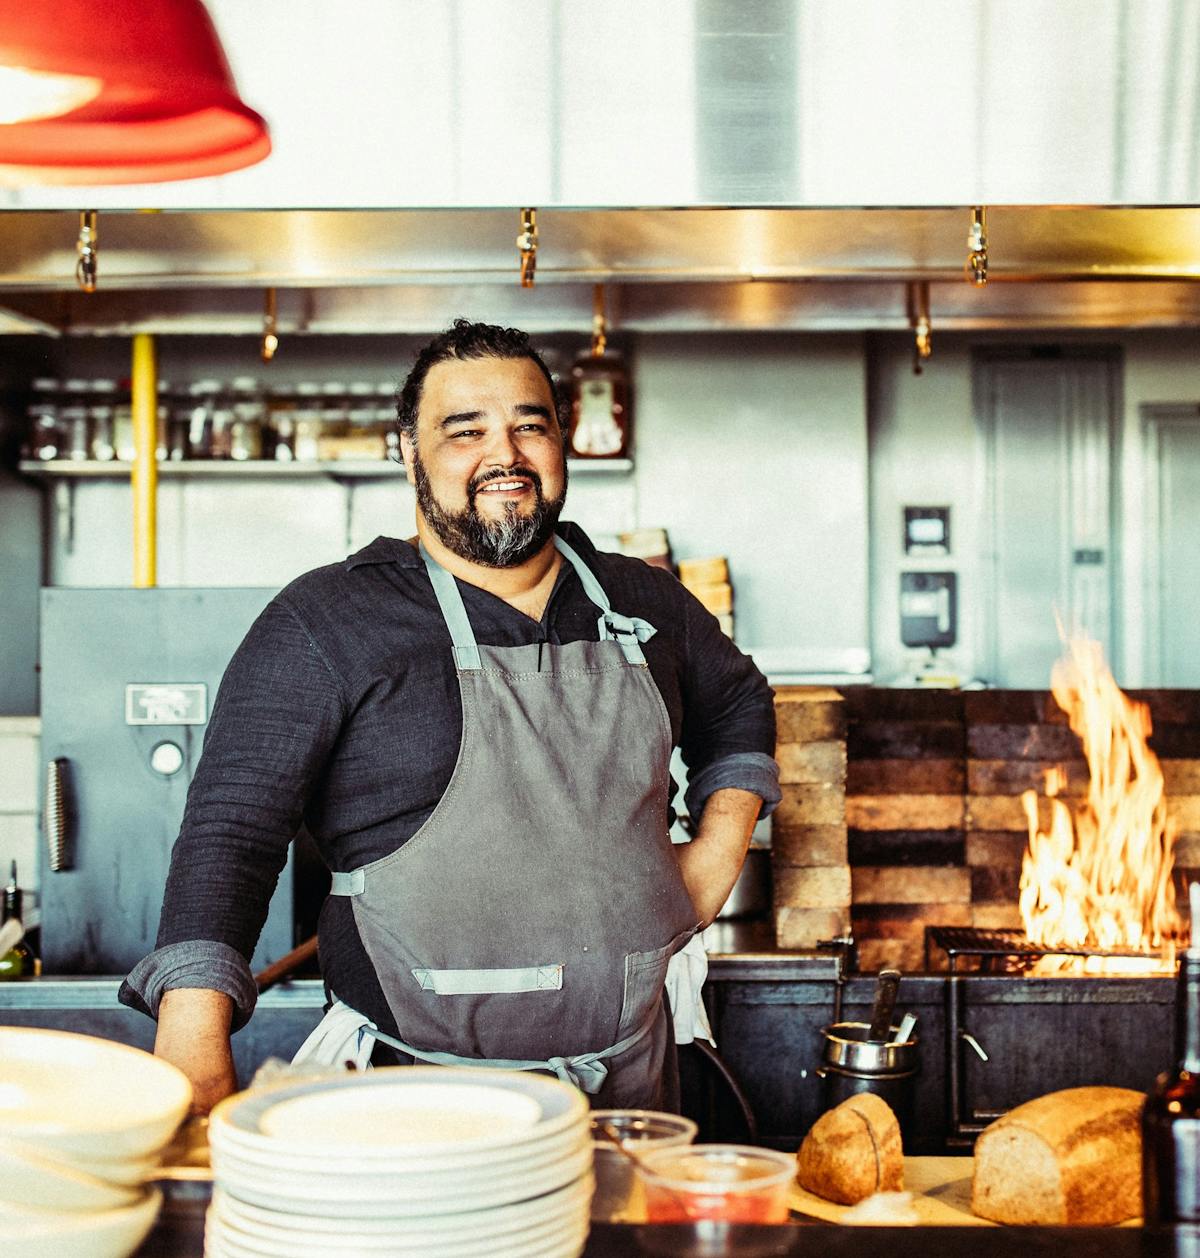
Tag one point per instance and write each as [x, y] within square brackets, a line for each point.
[711, 862]
[277, 714]
[193, 1034]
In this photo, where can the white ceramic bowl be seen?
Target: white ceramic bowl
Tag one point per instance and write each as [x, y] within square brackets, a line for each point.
[81, 1234]
[78, 1096]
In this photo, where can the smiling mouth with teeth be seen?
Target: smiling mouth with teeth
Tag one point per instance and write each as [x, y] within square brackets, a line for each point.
[503, 486]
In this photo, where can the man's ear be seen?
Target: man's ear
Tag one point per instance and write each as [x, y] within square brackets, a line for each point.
[407, 451]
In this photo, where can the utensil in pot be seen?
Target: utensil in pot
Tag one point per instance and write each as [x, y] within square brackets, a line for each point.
[906, 1029]
[886, 987]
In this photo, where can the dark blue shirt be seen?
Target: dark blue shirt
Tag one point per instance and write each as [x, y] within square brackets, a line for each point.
[341, 711]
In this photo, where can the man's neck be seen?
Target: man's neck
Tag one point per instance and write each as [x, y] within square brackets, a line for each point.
[526, 586]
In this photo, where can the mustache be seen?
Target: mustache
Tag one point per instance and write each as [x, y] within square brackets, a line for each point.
[503, 473]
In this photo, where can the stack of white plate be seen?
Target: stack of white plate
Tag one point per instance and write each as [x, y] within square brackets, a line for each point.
[421, 1160]
[82, 1124]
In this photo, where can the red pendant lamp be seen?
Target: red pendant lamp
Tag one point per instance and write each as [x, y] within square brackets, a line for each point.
[118, 91]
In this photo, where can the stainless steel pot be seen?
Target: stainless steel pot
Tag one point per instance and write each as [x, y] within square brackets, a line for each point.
[846, 1047]
[851, 1064]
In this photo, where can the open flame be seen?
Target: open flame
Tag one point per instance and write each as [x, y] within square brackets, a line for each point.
[1099, 876]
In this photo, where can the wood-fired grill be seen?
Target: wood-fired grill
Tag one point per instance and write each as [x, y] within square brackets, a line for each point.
[995, 952]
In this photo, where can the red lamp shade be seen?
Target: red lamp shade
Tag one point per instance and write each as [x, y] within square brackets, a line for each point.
[118, 91]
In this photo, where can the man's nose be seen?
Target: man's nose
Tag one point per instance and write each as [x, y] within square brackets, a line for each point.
[502, 449]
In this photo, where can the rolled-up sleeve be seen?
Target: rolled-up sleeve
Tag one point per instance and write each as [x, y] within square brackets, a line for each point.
[196, 963]
[277, 715]
[728, 734]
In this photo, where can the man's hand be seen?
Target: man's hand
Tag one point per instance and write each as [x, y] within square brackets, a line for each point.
[711, 862]
[193, 1034]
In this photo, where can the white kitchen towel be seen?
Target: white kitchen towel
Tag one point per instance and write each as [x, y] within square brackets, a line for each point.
[685, 983]
[342, 1035]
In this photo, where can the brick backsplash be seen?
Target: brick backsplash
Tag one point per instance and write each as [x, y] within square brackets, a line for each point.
[924, 811]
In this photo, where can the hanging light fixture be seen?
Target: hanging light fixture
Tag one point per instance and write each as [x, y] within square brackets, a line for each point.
[128, 91]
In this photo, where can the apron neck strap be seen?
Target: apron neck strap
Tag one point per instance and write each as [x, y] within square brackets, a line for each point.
[629, 631]
[466, 649]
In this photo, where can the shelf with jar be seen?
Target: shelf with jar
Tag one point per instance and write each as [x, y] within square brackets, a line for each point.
[83, 429]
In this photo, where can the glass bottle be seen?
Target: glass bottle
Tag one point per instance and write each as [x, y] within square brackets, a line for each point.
[43, 435]
[246, 429]
[41, 420]
[75, 426]
[204, 394]
[308, 422]
[601, 423]
[18, 961]
[1171, 1119]
[279, 439]
[179, 422]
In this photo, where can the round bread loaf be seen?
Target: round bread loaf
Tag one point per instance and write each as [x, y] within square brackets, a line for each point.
[853, 1151]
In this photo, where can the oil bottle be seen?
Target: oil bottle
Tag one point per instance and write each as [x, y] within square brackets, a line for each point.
[19, 960]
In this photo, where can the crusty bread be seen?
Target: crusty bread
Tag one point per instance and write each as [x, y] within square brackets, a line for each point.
[852, 1151]
[1069, 1157]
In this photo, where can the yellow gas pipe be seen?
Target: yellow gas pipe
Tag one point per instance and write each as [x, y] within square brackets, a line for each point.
[145, 466]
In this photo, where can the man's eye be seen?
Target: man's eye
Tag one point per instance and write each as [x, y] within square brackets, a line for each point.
[464, 432]
[533, 428]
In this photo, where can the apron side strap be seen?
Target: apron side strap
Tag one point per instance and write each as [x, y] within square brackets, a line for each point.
[454, 612]
[586, 1071]
[348, 882]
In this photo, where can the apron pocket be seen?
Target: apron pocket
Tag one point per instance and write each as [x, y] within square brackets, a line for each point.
[529, 978]
[645, 975]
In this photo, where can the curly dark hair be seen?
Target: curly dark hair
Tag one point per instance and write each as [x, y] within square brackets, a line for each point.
[464, 339]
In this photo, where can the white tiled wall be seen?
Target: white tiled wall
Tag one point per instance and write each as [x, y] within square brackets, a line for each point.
[19, 741]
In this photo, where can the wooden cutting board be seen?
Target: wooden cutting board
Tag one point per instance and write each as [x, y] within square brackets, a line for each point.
[941, 1189]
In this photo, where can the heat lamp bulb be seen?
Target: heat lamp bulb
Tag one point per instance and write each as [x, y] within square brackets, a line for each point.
[27, 95]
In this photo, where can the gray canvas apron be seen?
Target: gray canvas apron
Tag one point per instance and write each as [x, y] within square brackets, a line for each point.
[529, 922]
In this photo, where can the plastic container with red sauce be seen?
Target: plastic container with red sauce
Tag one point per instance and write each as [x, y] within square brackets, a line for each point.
[733, 1183]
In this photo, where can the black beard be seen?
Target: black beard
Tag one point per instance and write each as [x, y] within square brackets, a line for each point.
[503, 543]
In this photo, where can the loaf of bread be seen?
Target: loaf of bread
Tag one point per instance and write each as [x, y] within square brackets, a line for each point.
[1069, 1157]
[852, 1151]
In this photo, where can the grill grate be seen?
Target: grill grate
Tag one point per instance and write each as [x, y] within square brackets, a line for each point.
[970, 941]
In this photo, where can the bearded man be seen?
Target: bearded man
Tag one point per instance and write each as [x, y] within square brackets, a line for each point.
[475, 725]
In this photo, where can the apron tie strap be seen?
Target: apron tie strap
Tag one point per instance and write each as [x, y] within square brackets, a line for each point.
[586, 1071]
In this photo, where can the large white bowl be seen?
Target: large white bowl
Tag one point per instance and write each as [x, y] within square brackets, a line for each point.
[76, 1095]
[80, 1234]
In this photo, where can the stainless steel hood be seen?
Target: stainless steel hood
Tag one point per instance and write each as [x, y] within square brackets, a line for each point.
[411, 271]
[697, 156]
[624, 103]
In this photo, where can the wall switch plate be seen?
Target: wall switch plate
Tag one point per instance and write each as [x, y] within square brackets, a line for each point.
[927, 531]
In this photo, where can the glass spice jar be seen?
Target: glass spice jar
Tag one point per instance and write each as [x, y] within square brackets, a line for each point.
[601, 423]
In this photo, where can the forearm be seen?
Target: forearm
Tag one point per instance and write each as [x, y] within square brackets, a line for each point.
[193, 1034]
[711, 862]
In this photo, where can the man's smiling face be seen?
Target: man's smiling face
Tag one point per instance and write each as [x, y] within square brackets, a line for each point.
[488, 464]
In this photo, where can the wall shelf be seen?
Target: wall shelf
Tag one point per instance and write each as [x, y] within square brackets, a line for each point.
[229, 469]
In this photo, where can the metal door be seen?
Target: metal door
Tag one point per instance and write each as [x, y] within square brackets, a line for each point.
[1172, 556]
[130, 756]
[1047, 422]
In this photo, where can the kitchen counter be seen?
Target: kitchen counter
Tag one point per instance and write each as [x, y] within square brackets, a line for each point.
[181, 1235]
